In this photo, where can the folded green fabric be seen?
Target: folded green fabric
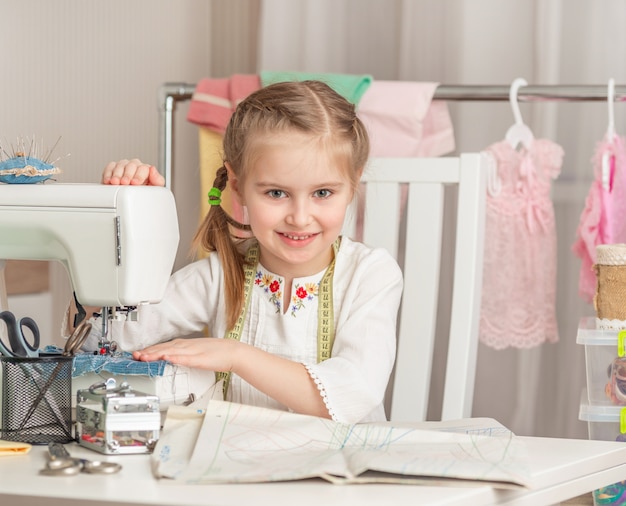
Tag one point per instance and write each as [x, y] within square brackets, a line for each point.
[350, 86]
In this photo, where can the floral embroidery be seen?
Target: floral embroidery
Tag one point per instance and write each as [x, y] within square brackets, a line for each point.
[272, 286]
[307, 292]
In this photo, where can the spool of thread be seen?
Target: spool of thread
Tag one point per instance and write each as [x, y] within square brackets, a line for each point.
[610, 298]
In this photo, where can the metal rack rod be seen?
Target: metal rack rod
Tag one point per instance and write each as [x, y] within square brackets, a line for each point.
[171, 93]
[532, 93]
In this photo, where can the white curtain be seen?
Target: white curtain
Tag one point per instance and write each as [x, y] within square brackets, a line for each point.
[537, 391]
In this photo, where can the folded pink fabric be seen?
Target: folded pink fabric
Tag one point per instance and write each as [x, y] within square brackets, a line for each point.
[403, 120]
[214, 100]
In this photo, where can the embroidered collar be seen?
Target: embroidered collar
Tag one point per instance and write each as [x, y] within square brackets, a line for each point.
[304, 289]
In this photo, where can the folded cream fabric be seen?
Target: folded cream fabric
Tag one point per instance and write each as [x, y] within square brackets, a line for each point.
[8, 448]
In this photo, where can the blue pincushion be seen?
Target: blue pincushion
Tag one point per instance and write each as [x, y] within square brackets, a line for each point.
[23, 169]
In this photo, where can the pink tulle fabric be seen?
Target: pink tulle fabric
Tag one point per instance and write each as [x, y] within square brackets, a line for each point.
[603, 220]
[519, 277]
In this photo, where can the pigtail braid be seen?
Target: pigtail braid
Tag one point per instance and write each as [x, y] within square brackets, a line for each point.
[214, 234]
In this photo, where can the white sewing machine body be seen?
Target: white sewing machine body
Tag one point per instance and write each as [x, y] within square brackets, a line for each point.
[118, 243]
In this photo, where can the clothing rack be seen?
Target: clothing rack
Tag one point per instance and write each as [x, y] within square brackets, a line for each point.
[171, 93]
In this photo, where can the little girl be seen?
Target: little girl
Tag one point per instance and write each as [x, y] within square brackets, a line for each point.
[300, 318]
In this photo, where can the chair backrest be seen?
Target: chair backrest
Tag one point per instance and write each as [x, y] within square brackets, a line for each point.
[406, 216]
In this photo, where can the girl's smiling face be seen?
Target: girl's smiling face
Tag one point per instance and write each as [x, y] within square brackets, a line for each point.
[296, 193]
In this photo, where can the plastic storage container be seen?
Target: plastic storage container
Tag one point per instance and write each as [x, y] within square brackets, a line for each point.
[605, 363]
[605, 423]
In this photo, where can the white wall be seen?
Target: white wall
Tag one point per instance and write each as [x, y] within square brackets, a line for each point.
[89, 73]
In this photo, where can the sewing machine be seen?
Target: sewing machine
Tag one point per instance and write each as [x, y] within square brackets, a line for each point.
[118, 243]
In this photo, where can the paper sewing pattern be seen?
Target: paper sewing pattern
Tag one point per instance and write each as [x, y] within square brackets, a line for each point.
[229, 443]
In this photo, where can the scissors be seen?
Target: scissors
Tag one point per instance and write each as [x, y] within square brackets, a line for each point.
[77, 339]
[18, 344]
[61, 463]
[73, 343]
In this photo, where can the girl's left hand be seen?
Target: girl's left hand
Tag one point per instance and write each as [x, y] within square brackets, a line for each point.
[202, 353]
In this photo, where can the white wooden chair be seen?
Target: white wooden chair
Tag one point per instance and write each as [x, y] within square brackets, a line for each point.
[411, 229]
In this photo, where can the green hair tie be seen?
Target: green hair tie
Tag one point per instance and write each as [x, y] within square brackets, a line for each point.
[215, 196]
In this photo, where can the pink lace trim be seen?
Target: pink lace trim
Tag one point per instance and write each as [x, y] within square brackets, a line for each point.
[322, 391]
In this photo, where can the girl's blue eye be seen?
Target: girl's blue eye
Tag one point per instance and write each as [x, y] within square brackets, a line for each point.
[276, 194]
[323, 194]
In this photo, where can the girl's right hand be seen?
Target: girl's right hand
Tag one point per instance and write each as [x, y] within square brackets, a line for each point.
[132, 172]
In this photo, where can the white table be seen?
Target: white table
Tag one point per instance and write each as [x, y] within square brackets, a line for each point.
[561, 469]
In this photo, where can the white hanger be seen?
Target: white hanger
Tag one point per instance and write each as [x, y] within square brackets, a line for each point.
[610, 135]
[519, 133]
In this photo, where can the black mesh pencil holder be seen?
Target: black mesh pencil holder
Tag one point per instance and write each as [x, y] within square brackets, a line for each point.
[37, 399]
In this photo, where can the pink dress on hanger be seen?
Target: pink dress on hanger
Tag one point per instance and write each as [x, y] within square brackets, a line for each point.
[603, 220]
[519, 276]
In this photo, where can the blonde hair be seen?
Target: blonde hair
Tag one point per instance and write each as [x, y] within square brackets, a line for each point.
[309, 107]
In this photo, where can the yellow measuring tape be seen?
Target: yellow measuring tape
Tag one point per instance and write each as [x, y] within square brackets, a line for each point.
[325, 313]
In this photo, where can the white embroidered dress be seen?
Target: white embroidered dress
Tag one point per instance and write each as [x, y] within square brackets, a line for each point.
[367, 286]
